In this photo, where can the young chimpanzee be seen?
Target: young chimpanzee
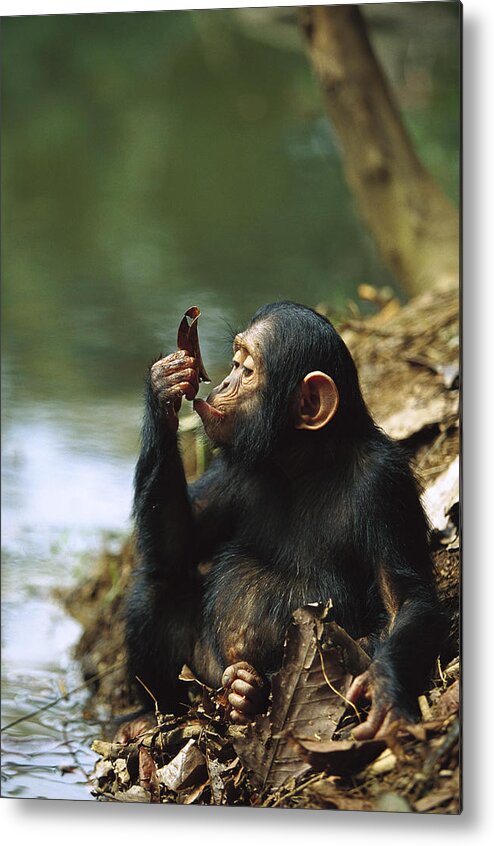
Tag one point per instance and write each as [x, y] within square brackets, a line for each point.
[306, 501]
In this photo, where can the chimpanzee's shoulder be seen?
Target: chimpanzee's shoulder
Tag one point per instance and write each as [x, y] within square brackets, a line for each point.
[383, 465]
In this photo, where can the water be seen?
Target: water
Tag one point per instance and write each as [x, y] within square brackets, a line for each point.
[151, 162]
[63, 492]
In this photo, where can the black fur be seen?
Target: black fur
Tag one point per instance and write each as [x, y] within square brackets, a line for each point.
[284, 517]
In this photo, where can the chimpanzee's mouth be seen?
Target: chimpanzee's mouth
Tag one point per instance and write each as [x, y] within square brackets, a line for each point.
[206, 410]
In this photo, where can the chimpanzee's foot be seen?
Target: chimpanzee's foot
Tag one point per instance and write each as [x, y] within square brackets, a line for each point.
[247, 692]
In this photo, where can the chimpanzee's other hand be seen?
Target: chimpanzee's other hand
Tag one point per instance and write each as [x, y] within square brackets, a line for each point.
[383, 711]
[247, 692]
[172, 378]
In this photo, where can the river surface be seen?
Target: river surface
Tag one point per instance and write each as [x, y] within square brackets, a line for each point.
[151, 162]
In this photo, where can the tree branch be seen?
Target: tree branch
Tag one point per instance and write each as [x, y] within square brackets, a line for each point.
[415, 226]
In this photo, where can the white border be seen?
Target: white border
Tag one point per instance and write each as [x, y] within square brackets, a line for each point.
[57, 7]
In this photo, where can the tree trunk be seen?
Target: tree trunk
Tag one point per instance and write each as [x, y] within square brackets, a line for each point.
[414, 224]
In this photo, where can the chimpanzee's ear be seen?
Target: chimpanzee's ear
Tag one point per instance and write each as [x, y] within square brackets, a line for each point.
[318, 401]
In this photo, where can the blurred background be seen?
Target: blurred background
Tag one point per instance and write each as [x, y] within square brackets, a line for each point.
[150, 162]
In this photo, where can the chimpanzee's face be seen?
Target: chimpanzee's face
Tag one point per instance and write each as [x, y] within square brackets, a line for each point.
[238, 394]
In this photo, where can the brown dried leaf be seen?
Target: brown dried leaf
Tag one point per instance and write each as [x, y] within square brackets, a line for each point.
[191, 796]
[427, 803]
[133, 794]
[418, 731]
[449, 702]
[208, 701]
[187, 675]
[308, 696]
[216, 771]
[147, 774]
[134, 729]
[338, 757]
[102, 747]
[122, 775]
[185, 769]
[439, 499]
[188, 339]
[102, 770]
[325, 794]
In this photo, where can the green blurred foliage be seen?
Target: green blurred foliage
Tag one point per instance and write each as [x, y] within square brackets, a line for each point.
[155, 160]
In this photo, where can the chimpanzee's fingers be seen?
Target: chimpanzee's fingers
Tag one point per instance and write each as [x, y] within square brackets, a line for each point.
[359, 689]
[250, 676]
[185, 374]
[239, 703]
[170, 363]
[248, 688]
[164, 374]
[374, 721]
[243, 665]
[255, 696]
[233, 670]
[188, 380]
[389, 720]
[174, 393]
[170, 394]
[193, 386]
[245, 703]
[243, 688]
[229, 675]
[172, 375]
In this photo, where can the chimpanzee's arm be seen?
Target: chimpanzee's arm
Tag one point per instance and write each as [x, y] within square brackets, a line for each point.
[163, 515]
[175, 528]
[418, 626]
[176, 525]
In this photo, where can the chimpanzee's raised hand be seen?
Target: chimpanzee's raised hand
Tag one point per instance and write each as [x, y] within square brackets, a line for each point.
[174, 377]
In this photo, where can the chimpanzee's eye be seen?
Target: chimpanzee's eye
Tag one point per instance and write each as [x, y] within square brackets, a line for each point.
[248, 366]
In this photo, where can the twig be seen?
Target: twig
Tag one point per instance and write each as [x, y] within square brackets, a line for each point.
[333, 688]
[440, 671]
